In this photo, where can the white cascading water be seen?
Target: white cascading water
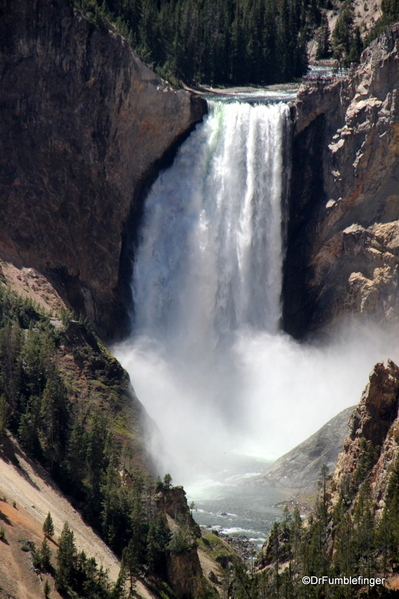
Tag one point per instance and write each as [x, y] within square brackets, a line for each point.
[210, 260]
[207, 358]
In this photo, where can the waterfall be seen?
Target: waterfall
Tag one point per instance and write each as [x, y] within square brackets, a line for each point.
[207, 358]
[210, 259]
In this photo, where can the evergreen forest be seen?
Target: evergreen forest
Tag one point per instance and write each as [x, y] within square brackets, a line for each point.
[342, 537]
[236, 42]
[222, 42]
[69, 403]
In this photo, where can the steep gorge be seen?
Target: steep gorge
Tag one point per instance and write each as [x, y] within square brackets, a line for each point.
[85, 126]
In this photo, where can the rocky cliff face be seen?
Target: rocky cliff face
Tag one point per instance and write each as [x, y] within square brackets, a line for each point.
[374, 425]
[343, 237]
[83, 125]
[185, 573]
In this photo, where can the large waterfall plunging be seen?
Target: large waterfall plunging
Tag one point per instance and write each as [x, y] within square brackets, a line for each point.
[207, 358]
[210, 260]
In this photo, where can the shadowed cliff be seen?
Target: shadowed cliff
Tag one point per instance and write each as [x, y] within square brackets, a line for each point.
[84, 124]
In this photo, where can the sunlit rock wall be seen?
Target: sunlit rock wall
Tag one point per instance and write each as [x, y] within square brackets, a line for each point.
[343, 239]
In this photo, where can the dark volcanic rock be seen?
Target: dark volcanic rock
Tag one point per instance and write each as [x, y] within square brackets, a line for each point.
[300, 468]
[83, 125]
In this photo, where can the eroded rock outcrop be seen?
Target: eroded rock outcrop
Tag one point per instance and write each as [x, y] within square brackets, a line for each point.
[83, 125]
[183, 565]
[344, 207]
[372, 446]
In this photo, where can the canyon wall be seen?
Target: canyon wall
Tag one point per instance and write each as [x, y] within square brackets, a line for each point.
[300, 468]
[343, 233]
[84, 125]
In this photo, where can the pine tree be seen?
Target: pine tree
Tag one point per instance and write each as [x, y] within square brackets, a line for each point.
[48, 526]
[55, 418]
[66, 558]
[130, 564]
[167, 481]
[162, 539]
[356, 47]
[46, 555]
[29, 425]
[344, 558]
[118, 592]
[342, 36]
[269, 42]
[151, 549]
[4, 414]
[46, 589]
[10, 366]
[386, 541]
[363, 539]
[323, 39]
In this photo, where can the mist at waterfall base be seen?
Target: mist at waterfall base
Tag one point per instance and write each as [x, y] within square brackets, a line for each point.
[207, 358]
